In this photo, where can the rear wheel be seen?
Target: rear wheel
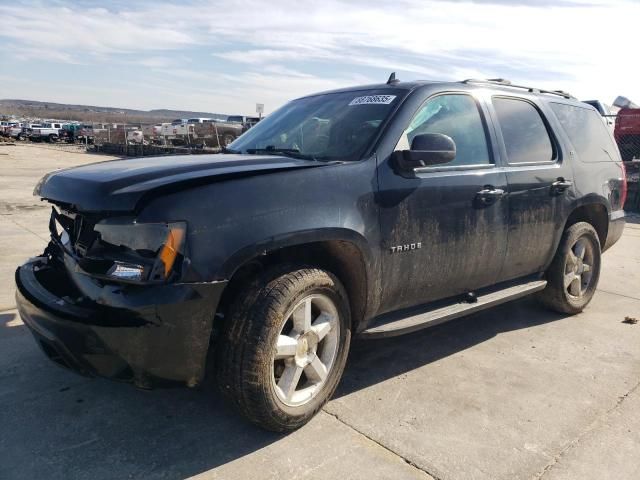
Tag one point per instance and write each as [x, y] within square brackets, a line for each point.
[284, 347]
[227, 139]
[573, 275]
[53, 138]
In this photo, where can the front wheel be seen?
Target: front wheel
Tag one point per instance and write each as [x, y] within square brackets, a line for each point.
[573, 275]
[284, 347]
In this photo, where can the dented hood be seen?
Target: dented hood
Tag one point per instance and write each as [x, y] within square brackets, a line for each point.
[119, 185]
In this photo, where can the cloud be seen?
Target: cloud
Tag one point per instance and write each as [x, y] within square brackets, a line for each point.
[249, 50]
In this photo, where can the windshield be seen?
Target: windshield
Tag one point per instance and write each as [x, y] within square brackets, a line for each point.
[333, 126]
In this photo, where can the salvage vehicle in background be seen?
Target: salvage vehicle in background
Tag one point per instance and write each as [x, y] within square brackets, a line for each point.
[372, 211]
[85, 134]
[50, 132]
[217, 133]
[153, 133]
[246, 122]
[627, 129]
[6, 125]
[23, 132]
[604, 111]
[14, 131]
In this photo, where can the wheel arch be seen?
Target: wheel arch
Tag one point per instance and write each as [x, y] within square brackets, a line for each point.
[596, 214]
[343, 252]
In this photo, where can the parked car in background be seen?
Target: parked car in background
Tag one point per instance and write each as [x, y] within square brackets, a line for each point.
[236, 119]
[199, 120]
[50, 132]
[85, 133]
[176, 133]
[135, 137]
[6, 125]
[14, 131]
[605, 111]
[23, 132]
[246, 122]
[373, 211]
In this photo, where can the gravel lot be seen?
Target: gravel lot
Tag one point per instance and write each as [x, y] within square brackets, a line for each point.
[511, 393]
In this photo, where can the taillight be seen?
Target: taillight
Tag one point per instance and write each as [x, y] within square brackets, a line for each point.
[623, 193]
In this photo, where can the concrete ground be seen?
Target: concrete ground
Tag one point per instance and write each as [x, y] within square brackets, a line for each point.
[511, 393]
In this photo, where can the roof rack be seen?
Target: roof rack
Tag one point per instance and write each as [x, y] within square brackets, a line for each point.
[506, 83]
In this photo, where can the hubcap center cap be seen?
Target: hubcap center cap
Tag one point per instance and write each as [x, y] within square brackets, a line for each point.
[306, 349]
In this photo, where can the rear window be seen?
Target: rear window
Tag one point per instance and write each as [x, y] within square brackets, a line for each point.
[524, 132]
[587, 132]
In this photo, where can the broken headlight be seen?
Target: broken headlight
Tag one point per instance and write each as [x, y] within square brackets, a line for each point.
[134, 252]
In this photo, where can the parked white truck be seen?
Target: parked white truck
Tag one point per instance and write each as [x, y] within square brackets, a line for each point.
[49, 132]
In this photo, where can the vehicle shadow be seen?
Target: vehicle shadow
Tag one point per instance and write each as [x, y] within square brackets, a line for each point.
[89, 428]
[374, 361]
[5, 318]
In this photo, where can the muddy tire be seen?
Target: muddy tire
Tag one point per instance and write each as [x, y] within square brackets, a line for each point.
[284, 346]
[573, 275]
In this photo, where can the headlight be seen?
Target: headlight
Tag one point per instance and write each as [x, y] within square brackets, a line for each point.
[135, 252]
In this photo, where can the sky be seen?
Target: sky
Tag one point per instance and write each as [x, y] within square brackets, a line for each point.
[226, 56]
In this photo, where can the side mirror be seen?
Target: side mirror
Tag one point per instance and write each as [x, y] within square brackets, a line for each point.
[427, 149]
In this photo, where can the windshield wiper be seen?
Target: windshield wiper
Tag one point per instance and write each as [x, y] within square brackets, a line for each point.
[287, 152]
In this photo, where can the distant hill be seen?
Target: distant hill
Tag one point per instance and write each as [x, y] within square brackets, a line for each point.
[64, 111]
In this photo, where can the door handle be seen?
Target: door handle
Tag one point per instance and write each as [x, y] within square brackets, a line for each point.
[560, 185]
[489, 195]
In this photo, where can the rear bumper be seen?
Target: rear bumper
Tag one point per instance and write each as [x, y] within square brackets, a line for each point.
[616, 227]
[142, 334]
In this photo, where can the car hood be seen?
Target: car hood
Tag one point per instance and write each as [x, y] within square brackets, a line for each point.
[120, 185]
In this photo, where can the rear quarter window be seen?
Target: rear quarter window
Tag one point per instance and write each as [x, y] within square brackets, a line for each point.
[524, 132]
[587, 132]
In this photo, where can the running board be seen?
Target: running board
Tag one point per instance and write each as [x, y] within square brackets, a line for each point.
[430, 318]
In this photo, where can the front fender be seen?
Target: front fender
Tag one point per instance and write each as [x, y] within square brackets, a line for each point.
[294, 239]
[232, 222]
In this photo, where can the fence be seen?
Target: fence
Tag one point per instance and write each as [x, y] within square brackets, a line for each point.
[633, 186]
[629, 146]
[204, 135]
[145, 150]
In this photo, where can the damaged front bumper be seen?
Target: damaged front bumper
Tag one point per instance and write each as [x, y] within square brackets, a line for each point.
[141, 334]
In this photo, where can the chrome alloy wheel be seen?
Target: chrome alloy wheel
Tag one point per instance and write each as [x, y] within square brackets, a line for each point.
[306, 350]
[578, 270]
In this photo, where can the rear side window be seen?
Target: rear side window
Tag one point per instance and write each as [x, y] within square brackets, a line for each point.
[587, 132]
[524, 132]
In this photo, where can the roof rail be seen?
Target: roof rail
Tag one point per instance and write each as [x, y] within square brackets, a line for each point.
[506, 83]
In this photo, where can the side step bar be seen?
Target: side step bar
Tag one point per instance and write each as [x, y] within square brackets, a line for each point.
[430, 318]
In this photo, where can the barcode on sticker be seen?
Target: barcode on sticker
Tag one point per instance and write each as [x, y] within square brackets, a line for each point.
[373, 100]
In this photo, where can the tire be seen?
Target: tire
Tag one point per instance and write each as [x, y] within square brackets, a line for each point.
[282, 394]
[573, 275]
[53, 138]
[227, 139]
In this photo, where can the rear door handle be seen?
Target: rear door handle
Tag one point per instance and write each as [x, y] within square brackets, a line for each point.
[561, 185]
[489, 195]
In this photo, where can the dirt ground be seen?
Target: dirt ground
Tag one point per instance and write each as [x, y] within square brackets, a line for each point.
[515, 392]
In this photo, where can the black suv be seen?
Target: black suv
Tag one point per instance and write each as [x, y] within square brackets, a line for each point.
[370, 211]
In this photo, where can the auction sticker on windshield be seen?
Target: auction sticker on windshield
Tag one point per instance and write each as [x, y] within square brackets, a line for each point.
[373, 100]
